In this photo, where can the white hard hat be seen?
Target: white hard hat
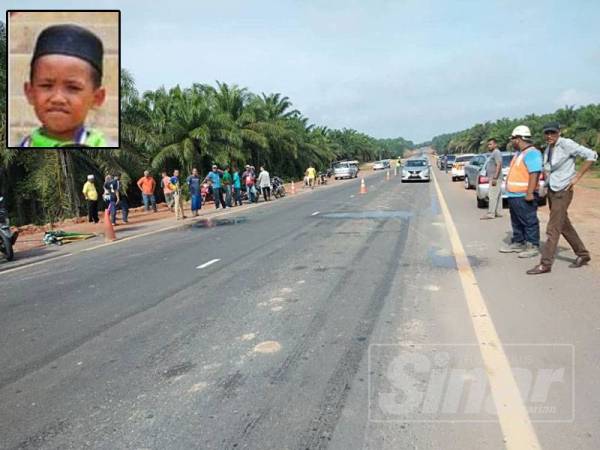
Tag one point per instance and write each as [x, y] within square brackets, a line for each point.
[90, 177]
[521, 130]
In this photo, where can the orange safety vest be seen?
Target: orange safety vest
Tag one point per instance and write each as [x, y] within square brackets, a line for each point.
[517, 179]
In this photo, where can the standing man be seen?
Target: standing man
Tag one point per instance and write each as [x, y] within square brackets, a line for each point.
[214, 176]
[248, 177]
[559, 165]
[165, 181]
[193, 182]
[521, 184]
[91, 196]
[175, 187]
[146, 184]
[237, 187]
[264, 181]
[226, 181]
[493, 170]
[111, 198]
[122, 200]
[311, 174]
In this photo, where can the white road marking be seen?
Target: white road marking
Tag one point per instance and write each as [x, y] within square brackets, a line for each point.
[315, 213]
[206, 264]
[432, 288]
[513, 416]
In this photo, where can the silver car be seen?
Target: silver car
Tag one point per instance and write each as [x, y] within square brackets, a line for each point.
[482, 183]
[345, 170]
[417, 169]
[472, 169]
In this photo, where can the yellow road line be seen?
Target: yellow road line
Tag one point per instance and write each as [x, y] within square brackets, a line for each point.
[514, 420]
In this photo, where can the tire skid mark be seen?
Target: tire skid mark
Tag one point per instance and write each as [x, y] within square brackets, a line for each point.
[321, 428]
[21, 372]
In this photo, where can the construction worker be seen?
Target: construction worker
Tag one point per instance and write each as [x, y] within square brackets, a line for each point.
[521, 185]
[559, 165]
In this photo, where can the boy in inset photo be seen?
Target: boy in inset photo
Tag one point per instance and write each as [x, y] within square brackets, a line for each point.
[65, 83]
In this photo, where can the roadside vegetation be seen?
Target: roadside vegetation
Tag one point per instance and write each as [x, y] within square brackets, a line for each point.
[179, 127]
[581, 124]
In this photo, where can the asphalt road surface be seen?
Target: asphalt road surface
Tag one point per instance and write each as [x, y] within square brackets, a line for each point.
[327, 320]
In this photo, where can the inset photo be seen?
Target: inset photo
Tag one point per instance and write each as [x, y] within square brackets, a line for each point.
[63, 79]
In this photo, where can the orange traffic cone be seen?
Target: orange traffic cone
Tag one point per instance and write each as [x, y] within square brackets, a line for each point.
[363, 186]
[109, 231]
[293, 190]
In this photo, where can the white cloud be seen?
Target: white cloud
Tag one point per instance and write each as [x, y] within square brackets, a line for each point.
[574, 97]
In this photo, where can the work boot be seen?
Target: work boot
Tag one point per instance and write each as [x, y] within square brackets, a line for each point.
[530, 251]
[514, 247]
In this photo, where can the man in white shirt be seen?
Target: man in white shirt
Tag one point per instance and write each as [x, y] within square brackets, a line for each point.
[559, 165]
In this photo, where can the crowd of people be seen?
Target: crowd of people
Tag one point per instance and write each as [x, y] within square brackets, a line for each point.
[227, 187]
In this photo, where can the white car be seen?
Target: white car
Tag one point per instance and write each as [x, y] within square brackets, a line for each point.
[458, 168]
[380, 165]
[417, 169]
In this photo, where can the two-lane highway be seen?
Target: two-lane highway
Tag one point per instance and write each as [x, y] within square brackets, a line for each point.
[277, 327]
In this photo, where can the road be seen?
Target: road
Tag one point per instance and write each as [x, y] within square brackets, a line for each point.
[285, 326]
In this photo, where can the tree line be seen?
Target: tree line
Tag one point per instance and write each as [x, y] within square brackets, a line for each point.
[581, 124]
[178, 128]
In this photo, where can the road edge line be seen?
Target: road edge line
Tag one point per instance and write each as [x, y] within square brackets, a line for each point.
[514, 419]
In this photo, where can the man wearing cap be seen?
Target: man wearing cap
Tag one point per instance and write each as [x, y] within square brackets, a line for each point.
[559, 165]
[65, 83]
[521, 185]
[91, 196]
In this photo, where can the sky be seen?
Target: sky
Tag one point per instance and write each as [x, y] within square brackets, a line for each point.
[410, 68]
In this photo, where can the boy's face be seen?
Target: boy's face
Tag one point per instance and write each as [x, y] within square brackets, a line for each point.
[62, 92]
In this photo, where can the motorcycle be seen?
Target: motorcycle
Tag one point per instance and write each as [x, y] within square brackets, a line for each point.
[278, 187]
[322, 177]
[7, 236]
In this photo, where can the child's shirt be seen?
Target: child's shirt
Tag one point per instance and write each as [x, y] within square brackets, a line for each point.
[87, 137]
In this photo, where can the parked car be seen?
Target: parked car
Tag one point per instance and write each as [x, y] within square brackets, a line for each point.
[345, 170]
[482, 184]
[458, 168]
[416, 169]
[472, 169]
[446, 160]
